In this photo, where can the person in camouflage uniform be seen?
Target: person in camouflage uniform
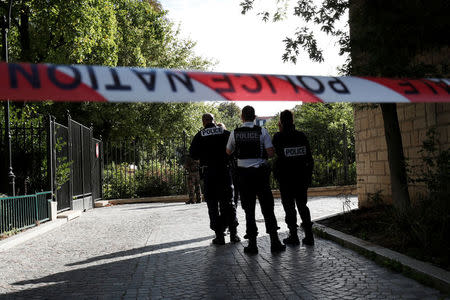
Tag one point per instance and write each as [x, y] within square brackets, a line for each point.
[193, 179]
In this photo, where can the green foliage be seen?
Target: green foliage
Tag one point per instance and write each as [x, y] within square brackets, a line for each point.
[63, 165]
[427, 222]
[375, 199]
[112, 33]
[229, 114]
[153, 178]
[9, 233]
[102, 32]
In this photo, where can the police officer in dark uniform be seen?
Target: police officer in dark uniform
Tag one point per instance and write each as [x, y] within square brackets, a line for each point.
[252, 145]
[293, 170]
[208, 146]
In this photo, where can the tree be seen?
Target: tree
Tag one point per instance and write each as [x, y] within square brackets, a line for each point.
[229, 114]
[112, 33]
[387, 39]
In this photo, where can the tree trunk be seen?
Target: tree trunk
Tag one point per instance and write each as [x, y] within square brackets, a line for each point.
[396, 158]
[24, 35]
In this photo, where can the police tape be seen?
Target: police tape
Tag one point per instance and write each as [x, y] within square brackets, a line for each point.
[75, 83]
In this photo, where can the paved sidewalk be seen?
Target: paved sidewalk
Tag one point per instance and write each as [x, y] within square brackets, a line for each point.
[163, 251]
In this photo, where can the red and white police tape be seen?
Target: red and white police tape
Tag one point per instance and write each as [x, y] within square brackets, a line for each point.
[40, 82]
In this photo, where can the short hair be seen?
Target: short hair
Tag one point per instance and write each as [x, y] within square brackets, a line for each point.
[287, 119]
[248, 113]
[208, 118]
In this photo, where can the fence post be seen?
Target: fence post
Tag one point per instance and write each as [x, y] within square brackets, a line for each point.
[82, 164]
[344, 129]
[101, 149]
[69, 151]
[36, 207]
[184, 157]
[50, 146]
[91, 155]
[54, 191]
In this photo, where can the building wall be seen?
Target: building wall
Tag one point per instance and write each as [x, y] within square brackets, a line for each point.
[371, 155]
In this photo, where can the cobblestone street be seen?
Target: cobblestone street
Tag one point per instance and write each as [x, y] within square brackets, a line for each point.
[164, 251]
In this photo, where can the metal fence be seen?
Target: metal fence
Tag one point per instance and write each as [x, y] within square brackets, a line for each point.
[29, 148]
[49, 156]
[139, 169]
[21, 212]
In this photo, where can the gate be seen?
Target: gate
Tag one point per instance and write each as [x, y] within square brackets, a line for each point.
[76, 165]
[80, 151]
[62, 163]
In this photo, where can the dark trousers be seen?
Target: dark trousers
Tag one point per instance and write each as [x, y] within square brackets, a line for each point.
[235, 179]
[255, 182]
[218, 196]
[295, 192]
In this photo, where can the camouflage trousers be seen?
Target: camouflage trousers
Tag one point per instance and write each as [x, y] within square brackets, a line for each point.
[193, 184]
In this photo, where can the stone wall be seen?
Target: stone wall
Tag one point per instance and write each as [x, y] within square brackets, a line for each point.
[371, 155]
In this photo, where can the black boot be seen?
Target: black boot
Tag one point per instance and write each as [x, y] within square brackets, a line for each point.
[275, 244]
[219, 239]
[292, 239]
[234, 237]
[252, 247]
[309, 238]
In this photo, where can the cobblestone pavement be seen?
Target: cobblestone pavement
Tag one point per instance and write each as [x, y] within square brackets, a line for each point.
[164, 251]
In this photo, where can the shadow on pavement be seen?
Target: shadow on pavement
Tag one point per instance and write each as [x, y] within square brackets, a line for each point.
[204, 272]
[141, 250]
[224, 272]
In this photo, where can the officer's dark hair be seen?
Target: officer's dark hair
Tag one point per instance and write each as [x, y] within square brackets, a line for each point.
[207, 118]
[248, 113]
[287, 119]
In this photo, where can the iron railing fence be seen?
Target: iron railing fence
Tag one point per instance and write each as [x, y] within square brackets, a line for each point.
[20, 212]
[50, 156]
[29, 156]
[140, 169]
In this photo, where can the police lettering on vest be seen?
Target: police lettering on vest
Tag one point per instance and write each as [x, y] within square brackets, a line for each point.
[295, 151]
[247, 136]
[212, 131]
[248, 143]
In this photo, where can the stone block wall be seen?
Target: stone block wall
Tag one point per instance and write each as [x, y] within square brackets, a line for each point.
[371, 156]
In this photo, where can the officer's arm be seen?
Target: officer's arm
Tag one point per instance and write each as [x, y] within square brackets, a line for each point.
[230, 144]
[268, 143]
[270, 152]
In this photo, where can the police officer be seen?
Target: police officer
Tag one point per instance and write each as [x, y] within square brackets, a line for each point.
[208, 146]
[293, 171]
[252, 145]
[193, 179]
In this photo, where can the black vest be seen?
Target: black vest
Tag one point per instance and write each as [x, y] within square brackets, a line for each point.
[248, 143]
[292, 150]
[213, 142]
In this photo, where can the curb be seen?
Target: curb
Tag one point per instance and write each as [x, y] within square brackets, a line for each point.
[421, 271]
[332, 191]
[161, 199]
[28, 234]
[33, 232]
